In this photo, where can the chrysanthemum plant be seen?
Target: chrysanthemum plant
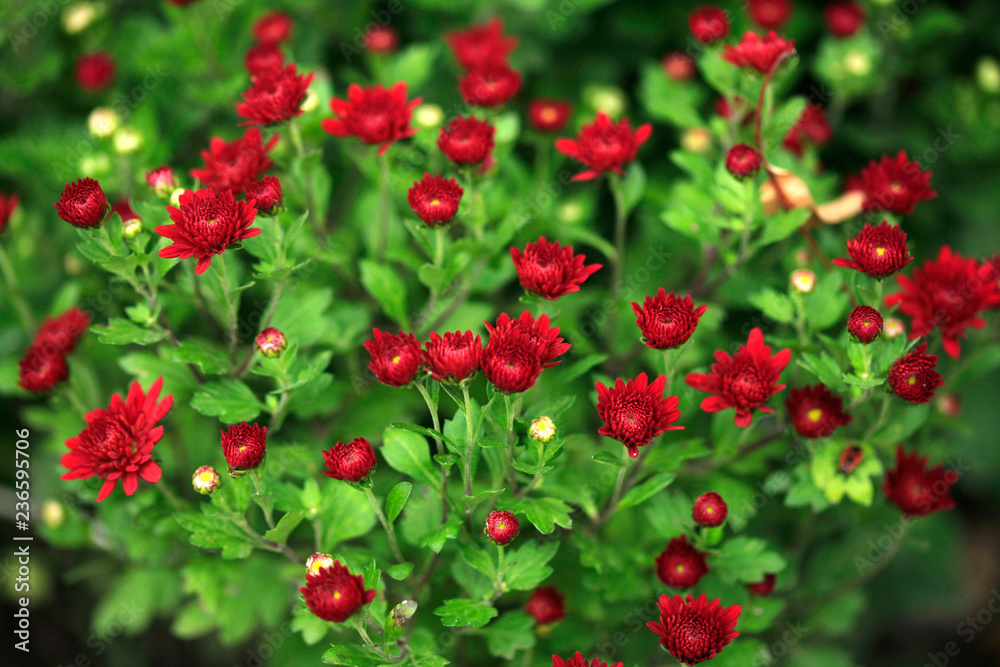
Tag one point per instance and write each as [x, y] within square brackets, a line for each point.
[452, 437]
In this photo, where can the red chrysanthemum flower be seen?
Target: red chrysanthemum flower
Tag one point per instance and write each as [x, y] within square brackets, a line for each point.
[770, 13]
[511, 362]
[118, 442]
[244, 446]
[604, 145]
[680, 565]
[435, 199]
[271, 343]
[8, 204]
[743, 381]
[263, 57]
[334, 594]
[546, 115]
[275, 96]
[636, 412]
[878, 251]
[812, 125]
[678, 66]
[546, 605]
[708, 24]
[815, 411]
[63, 332]
[914, 377]
[765, 587]
[843, 19]
[489, 85]
[83, 204]
[545, 339]
[709, 510]
[551, 270]
[205, 225]
[161, 181]
[453, 358]
[41, 368]
[381, 39]
[743, 161]
[914, 489]
[233, 166]
[395, 359]
[895, 184]
[502, 527]
[760, 53]
[864, 324]
[466, 140]
[351, 462]
[265, 193]
[95, 71]
[374, 115]
[579, 661]
[694, 631]
[481, 45]
[949, 292]
[273, 28]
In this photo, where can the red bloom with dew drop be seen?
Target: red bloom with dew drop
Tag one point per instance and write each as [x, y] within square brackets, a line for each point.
[895, 184]
[275, 96]
[63, 332]
[765, 587]
[8, 204]
[914, 377]
[502, 527]
[680, 565]
[815, 411]
[206, 224]
[547, 115]
[843, 19]
[273, 28]
[95, 71]
[83, 204]
[878, 251]
[375, 115]
[864, 324]
[708, 24]
[636, 412]
[743, 161]
[481, 45]
[604, 145]
[546, 605]
[236, 164]
[550, 270]
[466, 140]
[710, 510]
[264, 57]
[266, 195]
[489, 85]
[395, 360]
[351, 462]
[435, 199]
[770, 13]
[41, 368]
[694, 631]
[453, 358]
[579, 661]
[759, 53]
[334, 594]
[914, 489]
[949, 292]
[743, 381]
[244, 446]
[812, 125]
[118, 441]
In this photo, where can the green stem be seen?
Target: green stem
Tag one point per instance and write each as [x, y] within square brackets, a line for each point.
[878, 294]
[883, 416]
[498, 587]
[389, 530]
[439, 235]
[470, 441]
[384, 206]
[618, 266]
[616, 495]
[300, 150]
[435, 419]
[262, 499]
[668, 370]
[14, 291]
[359, 625]
[512, 405]
[230, 306]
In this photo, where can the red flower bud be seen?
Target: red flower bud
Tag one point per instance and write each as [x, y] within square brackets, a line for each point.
[742, 161]
[83, 204]
[395, 359]
[274, 96]
[435, 199]
[678, 66]
[865, 324]
[548, 115]
[8, 204]
[551, 270]
[763, 588]
[266, 195]
[547, 605]
[381, 39]
[502, 527]
[466, 140]
[915, 490]
[334, 594]
[816, 412]
[770, 13]
[351, 462]
[271, 343]
[667, 321]
[161, 181]
[710, 510]
[243, 446]
[694, 631]
[272, 28]
[914, 377]
[489, 85]
[708, 24]
[843, 19]
[877, 251]
[680, 565]
[95, 71]
[453, 358]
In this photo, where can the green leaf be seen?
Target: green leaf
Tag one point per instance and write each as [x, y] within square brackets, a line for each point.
[675, 102]
[430, 433]
[782, 121]
[863, 383]
[907, 421]
[646, 490]
[351, 655]
[509, 634]
[460, 612]
[120, 331]
[823, 367]
[396, 499]
[775, 305]
[286, 524]
[312, 627]
[386, 286]
[608, 459]
[543, 513]
[436, 540]
[478, 559]
[229, 400]
[347, 514]
[783, 224]
[719, 74]
[215, 533]
[399, 571]
[633, 186]
[746, 560]
[209, 359]
[526, 567]
[409, 453]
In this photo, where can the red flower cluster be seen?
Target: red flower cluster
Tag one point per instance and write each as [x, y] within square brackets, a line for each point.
[466, 140]
[44, 364]
[395, 359]
[118, 442]
[518, 350]
[83, 204]
[636, 412]
[481, 45]
[815, 411]
[273, 28]
[760, 53]
[334, 594]
[546, 605]
[233, 166]
[743, 161]
[709, 510]
[8, 204]
[844, 18]
[502, 527]
[914, 377]
[604, 146]
[864, 324]
[244, 445]
[914, 489]
[489, 85]
[275, 96]
[579, 661]
[373, 115]
[548, 115]
[895, 184]
[694, 631]
[877, 251]
[812, 125]
[551, 270]
[453, 358]
[205, 225]
[265, 195]
[680, 565]
[770, 13]
[708, 24]
[351, 462]
[435, 199]
[949, 292]
[95, 71]
[743, 381]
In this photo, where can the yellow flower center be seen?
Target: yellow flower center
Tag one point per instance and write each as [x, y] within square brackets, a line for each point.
[337, 595]
[548, 114]
[815, 414]
[680, 569]
[879, 251]
[435, 202]
[912, 380]
[396, 359]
